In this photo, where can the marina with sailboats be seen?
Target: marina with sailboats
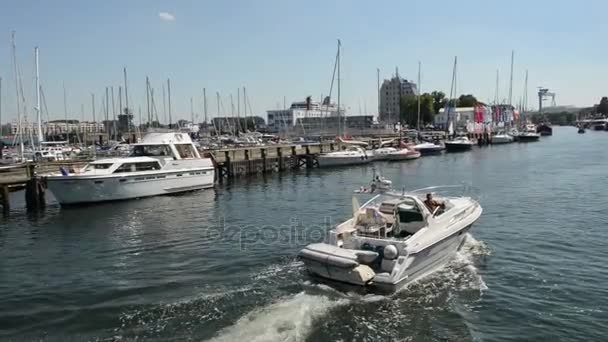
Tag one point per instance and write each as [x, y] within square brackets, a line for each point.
[241, 172]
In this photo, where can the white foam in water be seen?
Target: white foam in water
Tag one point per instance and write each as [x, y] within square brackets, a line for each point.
[289, 319]
[460, 273]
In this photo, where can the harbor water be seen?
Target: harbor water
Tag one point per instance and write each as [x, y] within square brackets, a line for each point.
[220, 264]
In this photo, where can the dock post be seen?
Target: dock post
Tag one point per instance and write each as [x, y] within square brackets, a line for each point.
[280, 158]
[248, 162]
[228, 165]
[34, 190]
[263, 153]
[6, 201]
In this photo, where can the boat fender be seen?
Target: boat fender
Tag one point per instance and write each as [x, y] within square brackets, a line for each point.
[391, 252]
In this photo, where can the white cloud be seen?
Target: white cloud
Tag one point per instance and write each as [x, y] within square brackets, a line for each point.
[166, 16]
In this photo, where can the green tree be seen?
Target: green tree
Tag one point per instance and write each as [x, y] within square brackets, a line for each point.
[466, 101]
[439, 100]
[409, 109]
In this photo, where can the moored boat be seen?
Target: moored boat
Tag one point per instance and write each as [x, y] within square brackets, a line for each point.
[403, 154]
[544, 129]
[351, 155]
[162, 163]
[428, 148]
[529, 134]
[502, 138]
[459, 144]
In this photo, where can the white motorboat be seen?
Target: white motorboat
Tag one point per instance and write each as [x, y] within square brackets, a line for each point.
[529, 134]
[382, 153]
[162, 163]
[351, 155]
[502, 138]
[458, 144]
[403, 154]
[428, 148]
[392, 240]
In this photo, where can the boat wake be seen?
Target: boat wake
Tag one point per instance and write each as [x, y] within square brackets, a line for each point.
[460, 274]
[288, 319]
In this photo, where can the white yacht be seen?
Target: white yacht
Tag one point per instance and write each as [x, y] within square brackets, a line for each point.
[529, 134]
[392, 240]
[458, 144]
[428, 148]
[404, 154]
[162, 163]
[382, 153]
[391, 153]
[351, 155]
[502, 138]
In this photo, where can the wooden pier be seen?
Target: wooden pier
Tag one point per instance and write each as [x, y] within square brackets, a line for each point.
[229, 163]
[238, 162]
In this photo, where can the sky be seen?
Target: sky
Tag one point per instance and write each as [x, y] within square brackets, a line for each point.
[283, 49]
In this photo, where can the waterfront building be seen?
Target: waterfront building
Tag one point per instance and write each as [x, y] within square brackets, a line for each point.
[391, 92]
[307, 114]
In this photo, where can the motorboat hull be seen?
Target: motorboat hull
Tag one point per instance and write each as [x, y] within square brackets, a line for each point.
[430, 150]
[71, 190]
[528, 137]
[457, 147]
[329, 161]
[421, 264]
[427, 261]
[502, 139]
[404, 156]
[544, 130]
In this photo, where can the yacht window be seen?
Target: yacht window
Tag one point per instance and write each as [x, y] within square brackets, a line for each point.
[98, 166]
[409, 213]
[185, 151]
[151, 151]
[133, 167]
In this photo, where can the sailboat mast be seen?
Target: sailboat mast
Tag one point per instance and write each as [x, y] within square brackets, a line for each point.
[205, 103]
[148, 98]
[65, 111]
[418, 122]
[164, 105]
[496, 96]
[378, 92]
[113, 113]
[511, 79]
[126, 92]
[192, 110]
[169, 99]
[93, 106]
[38, 115]
[525, 101]
[338, 63]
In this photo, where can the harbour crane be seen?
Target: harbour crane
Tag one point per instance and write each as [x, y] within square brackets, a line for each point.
[544, 94]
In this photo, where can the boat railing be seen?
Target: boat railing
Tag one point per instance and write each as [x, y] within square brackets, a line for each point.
[447, 191]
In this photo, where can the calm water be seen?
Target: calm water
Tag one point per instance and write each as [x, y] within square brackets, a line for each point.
[220, 264]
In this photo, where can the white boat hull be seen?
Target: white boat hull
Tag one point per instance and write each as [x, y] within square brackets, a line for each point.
[77, 190]
[502, 139]
[403, 156]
